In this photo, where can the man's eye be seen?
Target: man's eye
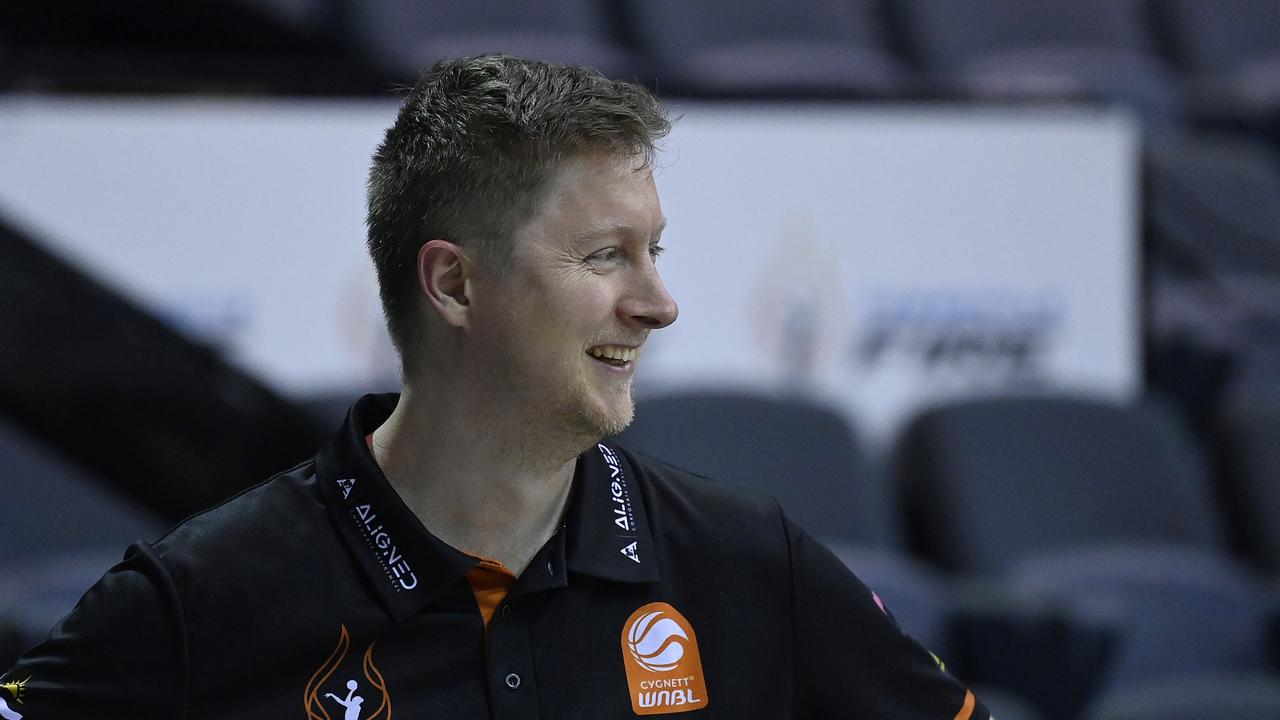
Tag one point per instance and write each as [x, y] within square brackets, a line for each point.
[655, 250]
[608, 254]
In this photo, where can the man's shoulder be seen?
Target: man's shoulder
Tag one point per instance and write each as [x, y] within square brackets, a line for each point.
[700, 509]
[278, 516]
[714, 494]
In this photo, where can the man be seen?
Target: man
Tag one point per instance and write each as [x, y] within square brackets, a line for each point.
[472, 548]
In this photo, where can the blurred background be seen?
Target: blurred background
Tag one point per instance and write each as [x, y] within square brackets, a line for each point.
[987, 293]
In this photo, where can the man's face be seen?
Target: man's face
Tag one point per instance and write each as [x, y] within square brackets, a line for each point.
[561, 331]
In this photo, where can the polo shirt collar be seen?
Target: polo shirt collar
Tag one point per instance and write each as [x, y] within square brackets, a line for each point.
[606, 523]
[407, 566]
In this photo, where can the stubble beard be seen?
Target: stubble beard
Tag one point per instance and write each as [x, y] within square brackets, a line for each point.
[607, 424]
[575, 413]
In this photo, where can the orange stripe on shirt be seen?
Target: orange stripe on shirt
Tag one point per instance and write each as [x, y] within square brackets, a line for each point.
[967, 709]
[490, 581]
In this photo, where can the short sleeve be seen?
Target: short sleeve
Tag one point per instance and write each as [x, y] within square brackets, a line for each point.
[852, 660]
[118, 654]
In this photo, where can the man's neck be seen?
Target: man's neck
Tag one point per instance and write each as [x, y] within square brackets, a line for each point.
[480, 484]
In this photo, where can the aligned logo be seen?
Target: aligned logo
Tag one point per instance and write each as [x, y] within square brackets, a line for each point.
[384, 548]
[623, 516]
[664, 666]
[380, 542]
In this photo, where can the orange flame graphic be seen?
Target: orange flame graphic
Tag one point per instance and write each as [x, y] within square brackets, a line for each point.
[311, 695]
[374, 676]
[315, 710]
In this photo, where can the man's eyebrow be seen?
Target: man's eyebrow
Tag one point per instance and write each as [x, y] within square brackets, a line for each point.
[600, 231]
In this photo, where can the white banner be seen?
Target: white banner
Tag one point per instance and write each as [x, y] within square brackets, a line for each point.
[887, 258]
[879, 258]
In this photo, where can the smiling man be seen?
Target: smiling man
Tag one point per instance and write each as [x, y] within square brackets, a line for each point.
[474, 547]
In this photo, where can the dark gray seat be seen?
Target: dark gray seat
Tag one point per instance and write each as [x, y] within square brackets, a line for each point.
[808, 457]
[1215, 201]
[1041, 49]
[60, 530]
[1217, 198]
[1230, 48]
[916, 595]
[1178, 611]
[1247, 436]
[406, 36]
[804, 454]
[1213, 228]
[1100, 510]
[769, 47]
[991, 482]
[39, 590]
[1237, 697]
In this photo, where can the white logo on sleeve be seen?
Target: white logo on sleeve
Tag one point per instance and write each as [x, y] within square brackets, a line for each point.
[15, 691]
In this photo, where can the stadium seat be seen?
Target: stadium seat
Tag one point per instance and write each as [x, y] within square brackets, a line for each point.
[1053, 656]
[990, 482]
[60, 529]
[303, 17]
[38, 590]
[808, 457]
[768, 48]
[1041, 49]
[916, 595]
[1230, 48]
[1213, 229]
[1212, 214]
[804, 454]
[1239, 697]
[1214, 202]
[1180, 612]
[1102, 511]
[407, 37]
[1247, 437]
[47, 494]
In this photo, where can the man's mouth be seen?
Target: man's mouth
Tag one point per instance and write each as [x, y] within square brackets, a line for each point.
[615, 355]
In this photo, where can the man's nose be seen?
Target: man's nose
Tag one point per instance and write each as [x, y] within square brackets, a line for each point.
[648, 304]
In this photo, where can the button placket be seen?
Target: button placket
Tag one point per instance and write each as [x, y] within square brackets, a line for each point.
[513, 681]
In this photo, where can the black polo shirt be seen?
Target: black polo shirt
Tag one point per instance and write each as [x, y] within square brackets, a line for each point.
[319, 595]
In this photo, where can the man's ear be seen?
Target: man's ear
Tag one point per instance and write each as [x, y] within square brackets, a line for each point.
[443, 274]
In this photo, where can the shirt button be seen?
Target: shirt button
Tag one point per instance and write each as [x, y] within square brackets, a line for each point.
[513, 681]
[505, 612]
[549, 570]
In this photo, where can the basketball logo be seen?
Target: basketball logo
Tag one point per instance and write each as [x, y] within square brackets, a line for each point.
[663, 664]
[656, 641]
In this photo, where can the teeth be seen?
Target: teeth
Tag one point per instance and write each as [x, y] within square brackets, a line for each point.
[614, 352]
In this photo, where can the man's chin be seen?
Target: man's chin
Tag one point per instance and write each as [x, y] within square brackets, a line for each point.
[616, 424]
[606, 419]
